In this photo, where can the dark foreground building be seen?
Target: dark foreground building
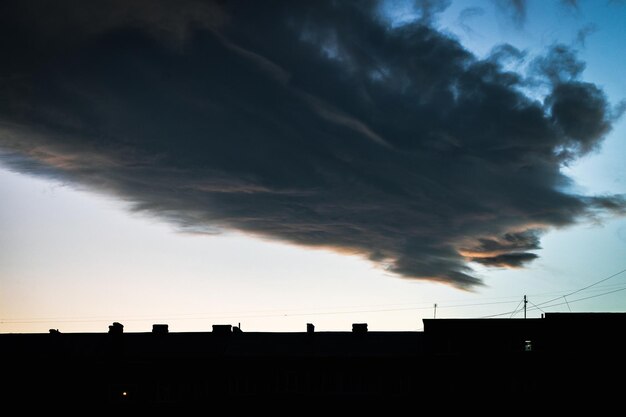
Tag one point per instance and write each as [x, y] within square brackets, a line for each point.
[453, 362]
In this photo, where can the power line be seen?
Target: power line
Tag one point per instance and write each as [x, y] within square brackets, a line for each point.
[294, 312]
[557, 304]
[265, 312]
[586, 298]
[226, 316]
[515, 311]
[536, 306]
[252, 313]
[497, 315]
[585, 288]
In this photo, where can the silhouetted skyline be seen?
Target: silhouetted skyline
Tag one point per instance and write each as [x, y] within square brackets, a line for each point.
[434, 141]
[459, 359]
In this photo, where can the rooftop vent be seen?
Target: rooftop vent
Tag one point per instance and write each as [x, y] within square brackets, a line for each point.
[116, 328]
[160, 329]
[359, 327]
[222, 328]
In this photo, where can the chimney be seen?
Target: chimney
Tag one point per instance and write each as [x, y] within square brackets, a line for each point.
[160, 329]
[116, 328]
[359, 327]
[310, 328]
[222, 329]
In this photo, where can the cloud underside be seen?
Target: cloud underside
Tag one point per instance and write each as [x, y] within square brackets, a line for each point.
[316, 124]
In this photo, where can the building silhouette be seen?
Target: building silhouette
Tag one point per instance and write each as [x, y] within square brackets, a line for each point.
[568, 355]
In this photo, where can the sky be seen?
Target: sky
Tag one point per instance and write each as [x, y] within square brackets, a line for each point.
[281, 163]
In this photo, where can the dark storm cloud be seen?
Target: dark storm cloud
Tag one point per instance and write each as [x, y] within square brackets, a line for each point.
[559, 65]
[526, 240]
[517, 10]
[431, 8]
[401, 12]
[313, 123]
[509, 250]
[511, 260]
[505, 54]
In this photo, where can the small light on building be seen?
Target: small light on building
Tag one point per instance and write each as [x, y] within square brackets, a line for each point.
[124, 394]
[528, 346]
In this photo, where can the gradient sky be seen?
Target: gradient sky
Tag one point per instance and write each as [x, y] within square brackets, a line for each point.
[328, 164]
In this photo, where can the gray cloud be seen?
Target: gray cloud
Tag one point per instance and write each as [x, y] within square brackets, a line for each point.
[466, 15]
[470, 12]
[560, 65]
[310, 123]
[583, 33]
[515, 10]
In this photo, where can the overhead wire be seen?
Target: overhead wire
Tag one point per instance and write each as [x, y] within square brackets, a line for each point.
[536, 306]
[72, 320]
[516, 308]
[339, 310]
[585, 298]
[586, 287]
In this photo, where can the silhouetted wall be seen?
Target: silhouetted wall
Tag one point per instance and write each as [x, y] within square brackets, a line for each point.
[464, 358]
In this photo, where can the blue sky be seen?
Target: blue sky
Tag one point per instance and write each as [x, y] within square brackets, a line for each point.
[76, 256]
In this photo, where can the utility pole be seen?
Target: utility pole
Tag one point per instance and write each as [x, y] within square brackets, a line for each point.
[525, 302]
[435, 314]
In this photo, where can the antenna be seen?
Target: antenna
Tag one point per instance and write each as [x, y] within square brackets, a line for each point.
[435, 312]
[525, 302]
[567, 302]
